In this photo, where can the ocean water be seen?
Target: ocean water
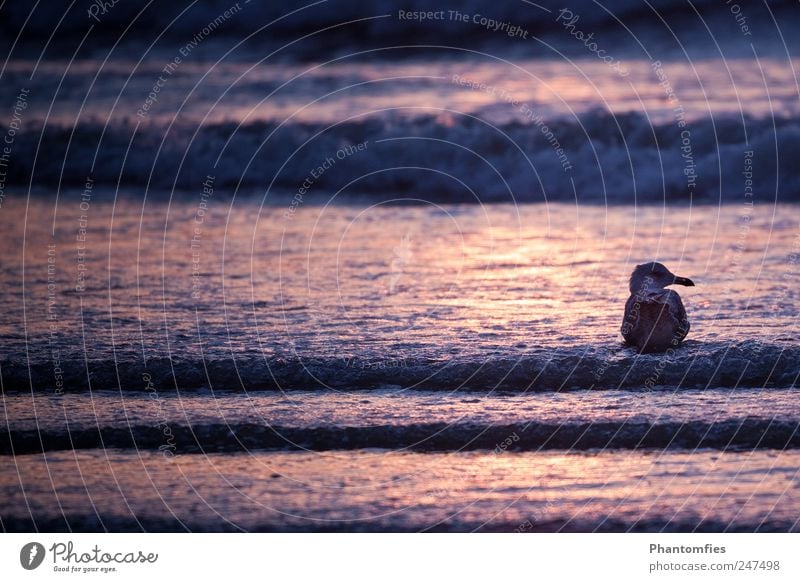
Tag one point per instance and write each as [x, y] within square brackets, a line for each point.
[304, 371]
[530, 131]
[383, 289]
[337, 282]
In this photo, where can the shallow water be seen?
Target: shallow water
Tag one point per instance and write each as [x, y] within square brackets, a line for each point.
[387, 491]
[270, 391]
[382, 285]
[72, 412]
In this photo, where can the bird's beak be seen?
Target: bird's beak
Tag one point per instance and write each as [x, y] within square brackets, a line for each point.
[683, 281]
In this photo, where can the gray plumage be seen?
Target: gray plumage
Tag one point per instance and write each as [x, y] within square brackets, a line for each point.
[655, 319]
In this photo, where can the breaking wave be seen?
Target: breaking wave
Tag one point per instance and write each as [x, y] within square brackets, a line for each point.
[600, 158]
[746, 364]
[738, 434]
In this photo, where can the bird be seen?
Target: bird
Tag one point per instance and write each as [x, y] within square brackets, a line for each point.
[655, 319]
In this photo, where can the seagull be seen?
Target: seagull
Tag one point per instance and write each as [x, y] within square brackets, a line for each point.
[655, 320]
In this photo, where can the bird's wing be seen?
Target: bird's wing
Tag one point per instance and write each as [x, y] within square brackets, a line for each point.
[652, 307]
[630, 320]
[677, 312]
[670, 305]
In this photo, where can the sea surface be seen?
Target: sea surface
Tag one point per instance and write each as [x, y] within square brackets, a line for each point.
[309, 277]
[394, 368]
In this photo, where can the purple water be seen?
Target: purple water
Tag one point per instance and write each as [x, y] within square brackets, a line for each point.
[355, 272]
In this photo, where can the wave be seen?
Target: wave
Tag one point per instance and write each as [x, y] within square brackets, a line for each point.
[739, 434]
[746, 364]
[600, 158]
[398, 407]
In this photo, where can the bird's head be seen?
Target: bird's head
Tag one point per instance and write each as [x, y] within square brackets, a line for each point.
[654, 276]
